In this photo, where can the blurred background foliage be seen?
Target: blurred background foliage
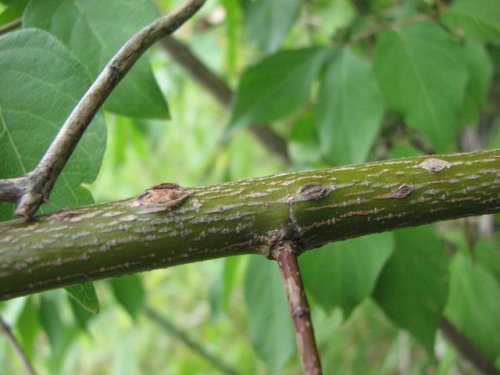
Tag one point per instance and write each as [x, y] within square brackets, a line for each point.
[341, 82]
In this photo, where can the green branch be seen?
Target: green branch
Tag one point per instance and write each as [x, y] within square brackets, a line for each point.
[169, 225]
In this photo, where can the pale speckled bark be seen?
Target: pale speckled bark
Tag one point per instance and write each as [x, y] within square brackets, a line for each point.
[308, 208]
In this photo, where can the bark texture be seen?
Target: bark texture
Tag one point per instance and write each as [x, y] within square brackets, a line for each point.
[169, 225]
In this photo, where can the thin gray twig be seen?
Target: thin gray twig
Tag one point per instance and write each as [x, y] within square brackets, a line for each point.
[37, 185]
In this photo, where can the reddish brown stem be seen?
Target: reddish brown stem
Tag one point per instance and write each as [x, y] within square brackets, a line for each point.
[286, 257]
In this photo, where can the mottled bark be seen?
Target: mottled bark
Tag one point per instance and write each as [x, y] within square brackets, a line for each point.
[307, 208]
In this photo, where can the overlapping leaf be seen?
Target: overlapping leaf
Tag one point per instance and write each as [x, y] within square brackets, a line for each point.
[268, 22]
[474, 306]
[94, 31]
[422, 76]
[479, 19]
[276, 86]
[271, 329]
[343, 274]
[349, 108]
[413, 286]
[41, 83]
[85, 295]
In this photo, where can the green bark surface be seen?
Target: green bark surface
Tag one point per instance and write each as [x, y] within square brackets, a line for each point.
[310, 208]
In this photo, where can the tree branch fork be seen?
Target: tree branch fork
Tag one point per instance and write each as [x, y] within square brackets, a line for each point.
[169, 225]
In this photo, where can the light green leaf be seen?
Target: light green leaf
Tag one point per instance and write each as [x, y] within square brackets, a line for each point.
[81, 316]
[479, 19]
[51, 321]
[275, 87]
[487, 254]
[413, 285]
[480, 74]
[94, 31]
[271, 328]
[223, 285]
[303, 142]
[344, 273]
[349, 108]
[473, 305]
[41, 83]
[28, 326]
[268, 22]
[129, 293]
[422, 76]
[85, 295]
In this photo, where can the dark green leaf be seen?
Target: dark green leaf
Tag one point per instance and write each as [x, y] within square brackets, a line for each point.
[474, 305]
[268, 22]
[275, 87]
[479, 18]
[85, 295]
[349, 108]
[41, 83]
[129, 293]
[28, 327]
[94, 30]
[271, 328]
[413, 285]
[421, 73]
[344, 274]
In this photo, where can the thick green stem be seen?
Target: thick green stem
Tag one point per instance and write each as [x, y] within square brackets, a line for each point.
[182, 226]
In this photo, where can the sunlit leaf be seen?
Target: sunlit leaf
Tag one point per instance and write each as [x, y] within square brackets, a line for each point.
[349, 108]
[271, 328]
[41, 83]
[94, 31]
[421, 73]
[268, 22]
[413, 286]
[276, 86]
[85, 295]
[344, 273]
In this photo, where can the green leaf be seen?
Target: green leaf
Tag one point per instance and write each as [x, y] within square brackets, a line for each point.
[51, 320]
[223, 285]
[473, 305]
[41, 83]
[422, 76]
[349, 108]
[303, 142]
[268, 22]
[94, 31]
[413, 285]
[14, 10]
[28, 326]
[129, 293]
[479, 19]
[487, 255]
[271, 328]
[344, 273]
[85, 295]
[275, 87]
[82, 316]
[480, 74]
